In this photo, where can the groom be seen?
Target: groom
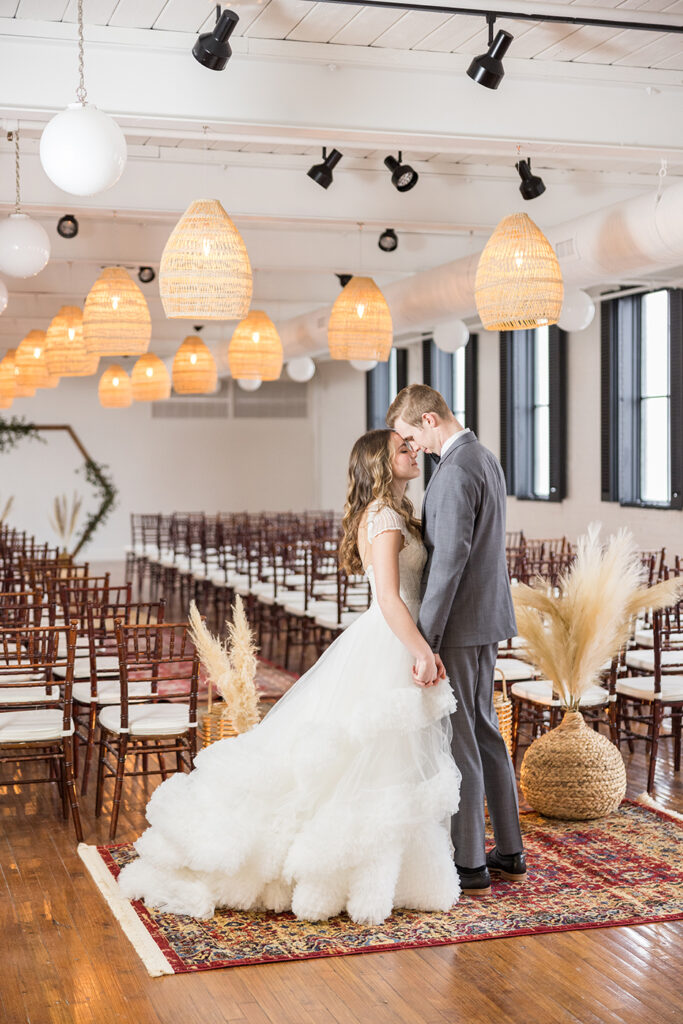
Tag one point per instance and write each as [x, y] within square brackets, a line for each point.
[466, 610]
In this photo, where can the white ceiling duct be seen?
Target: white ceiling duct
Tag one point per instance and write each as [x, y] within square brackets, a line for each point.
[633, 238]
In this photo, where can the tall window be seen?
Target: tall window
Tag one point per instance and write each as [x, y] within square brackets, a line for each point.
[382, 385]
[533, 413]
[642, 400]
[455, 377]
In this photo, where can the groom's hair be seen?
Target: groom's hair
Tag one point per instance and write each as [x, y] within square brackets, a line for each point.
[412, 402]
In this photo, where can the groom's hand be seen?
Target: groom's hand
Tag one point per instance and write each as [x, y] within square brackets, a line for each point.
[440, 668]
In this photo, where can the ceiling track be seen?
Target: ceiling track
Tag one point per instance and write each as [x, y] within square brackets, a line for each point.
[489, 15]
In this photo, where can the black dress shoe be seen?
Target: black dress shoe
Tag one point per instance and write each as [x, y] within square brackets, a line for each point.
[474, 881]
[510, 866]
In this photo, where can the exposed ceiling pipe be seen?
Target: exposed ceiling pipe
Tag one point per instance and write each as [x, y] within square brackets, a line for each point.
[630, 239]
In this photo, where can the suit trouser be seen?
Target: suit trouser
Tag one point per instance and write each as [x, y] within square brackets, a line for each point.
[481, 755]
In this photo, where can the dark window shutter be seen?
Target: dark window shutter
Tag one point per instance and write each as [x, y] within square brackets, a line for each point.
[676, 384]
[557, 359]
[401, 369]
[472, 383]
[506, 435]
[627, 447]
[608, 402]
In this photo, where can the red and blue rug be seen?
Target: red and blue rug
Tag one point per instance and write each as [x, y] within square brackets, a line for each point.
[626, 869]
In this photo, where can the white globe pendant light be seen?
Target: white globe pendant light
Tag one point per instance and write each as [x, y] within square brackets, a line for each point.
[82, 149]
[578, 310]
[24, 243]
[451, 336]
[363, 365]
[4, 296]
[249, 383]
[301, 369]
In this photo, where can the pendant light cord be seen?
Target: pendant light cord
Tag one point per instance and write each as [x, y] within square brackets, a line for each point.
[14, 136]
[81, 95]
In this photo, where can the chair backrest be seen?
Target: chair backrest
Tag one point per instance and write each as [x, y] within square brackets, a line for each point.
[101, 625]
[28, 658]
[667, 626]
[153, 652]
[21, 608]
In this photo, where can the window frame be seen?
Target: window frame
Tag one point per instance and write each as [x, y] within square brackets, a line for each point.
[517, 405]
[621, 401]
[378, 390]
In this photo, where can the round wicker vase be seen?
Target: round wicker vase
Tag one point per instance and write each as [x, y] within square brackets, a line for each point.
[573, 772]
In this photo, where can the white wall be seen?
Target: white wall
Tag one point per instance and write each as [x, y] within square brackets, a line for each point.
[157, 465]
[338, 409]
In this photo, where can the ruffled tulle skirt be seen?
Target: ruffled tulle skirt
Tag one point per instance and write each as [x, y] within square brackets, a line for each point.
[340, 799]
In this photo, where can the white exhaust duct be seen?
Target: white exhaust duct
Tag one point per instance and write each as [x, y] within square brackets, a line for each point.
[630, 239]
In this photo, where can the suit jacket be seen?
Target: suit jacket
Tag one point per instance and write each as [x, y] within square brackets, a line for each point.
[466, 598]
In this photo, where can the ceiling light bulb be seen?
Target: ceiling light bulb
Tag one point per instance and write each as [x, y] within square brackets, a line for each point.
[115, 299]
[403, 176]
[193, 358]
[149, 371]
[72, 333]
[37, 353]
[256, 337]
[360, 309]
[206, 246]
[115, 382]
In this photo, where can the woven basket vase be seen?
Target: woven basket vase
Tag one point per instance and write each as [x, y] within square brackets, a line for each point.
[503, 708]
[573, 772]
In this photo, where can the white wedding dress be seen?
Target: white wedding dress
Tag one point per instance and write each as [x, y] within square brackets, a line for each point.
[339, 800]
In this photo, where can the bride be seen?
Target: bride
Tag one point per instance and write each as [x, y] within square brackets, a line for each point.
[341, 798]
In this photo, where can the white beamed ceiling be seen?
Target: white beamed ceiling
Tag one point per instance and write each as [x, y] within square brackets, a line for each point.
[597, 109]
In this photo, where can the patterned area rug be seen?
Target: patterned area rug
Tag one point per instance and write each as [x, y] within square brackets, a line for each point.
[623, 870]
[271, 681]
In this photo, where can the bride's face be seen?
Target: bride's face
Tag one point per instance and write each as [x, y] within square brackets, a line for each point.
[403, 459]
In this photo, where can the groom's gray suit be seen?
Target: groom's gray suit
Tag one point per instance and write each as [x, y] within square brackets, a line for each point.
[466, 610]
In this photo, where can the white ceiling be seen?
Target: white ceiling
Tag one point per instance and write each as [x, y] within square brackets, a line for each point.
[597, 110]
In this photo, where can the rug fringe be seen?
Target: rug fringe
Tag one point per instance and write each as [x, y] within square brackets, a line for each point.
[142, 942]
[648, 801]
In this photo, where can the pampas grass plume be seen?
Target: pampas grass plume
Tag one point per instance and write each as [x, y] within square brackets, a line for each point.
[244, 709]
[571, 631]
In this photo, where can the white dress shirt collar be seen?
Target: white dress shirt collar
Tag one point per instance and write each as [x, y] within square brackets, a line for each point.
[449, 441]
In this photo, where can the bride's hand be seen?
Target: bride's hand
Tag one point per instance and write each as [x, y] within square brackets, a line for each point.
[425, 670]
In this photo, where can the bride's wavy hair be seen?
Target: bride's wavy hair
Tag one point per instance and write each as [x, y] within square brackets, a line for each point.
[370, 478]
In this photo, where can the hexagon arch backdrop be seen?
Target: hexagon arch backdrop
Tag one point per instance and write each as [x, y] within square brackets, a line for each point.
[15, 430]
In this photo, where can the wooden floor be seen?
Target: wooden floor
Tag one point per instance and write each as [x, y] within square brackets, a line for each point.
[65, 960]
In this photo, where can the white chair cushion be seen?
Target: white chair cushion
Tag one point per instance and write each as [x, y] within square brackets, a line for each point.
[267, 597]
[288, 597]
[294, 579]
[21, 677]
[644, 661]
[314, 608]
[109, 692]
[23, 694]
[515, 670]
[149, 719]
[643, 688]
[82, 667]
[540, 691]
[330, 621]
[32, 726]
[644, 637]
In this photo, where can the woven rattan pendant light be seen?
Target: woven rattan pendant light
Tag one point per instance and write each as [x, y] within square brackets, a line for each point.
[9, 385]
[114, 389]
[255, 349]
[205, 272]
[360, 322]
[150, 380]
[519, 282]
[194, 368]
[5, 403]
[30, 362]
[65, 353]
[116, 320]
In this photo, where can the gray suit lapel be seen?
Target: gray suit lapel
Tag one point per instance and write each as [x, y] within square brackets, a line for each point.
[463, 439]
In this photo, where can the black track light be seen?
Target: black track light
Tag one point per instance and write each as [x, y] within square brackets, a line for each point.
[322, 173]
[212, 49]
[531, 186]
[403, 176]
[388, 240]
[146, 275]
[487, 68]
[343, 279]
[67, 226]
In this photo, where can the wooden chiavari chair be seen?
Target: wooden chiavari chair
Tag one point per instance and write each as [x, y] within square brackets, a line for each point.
[148, 724]
[36, 721]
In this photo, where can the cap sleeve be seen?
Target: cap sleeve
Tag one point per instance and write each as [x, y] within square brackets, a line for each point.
[382, 520]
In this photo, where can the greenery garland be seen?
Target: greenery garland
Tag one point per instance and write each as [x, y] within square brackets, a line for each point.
[103, 484]
[15, 430]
